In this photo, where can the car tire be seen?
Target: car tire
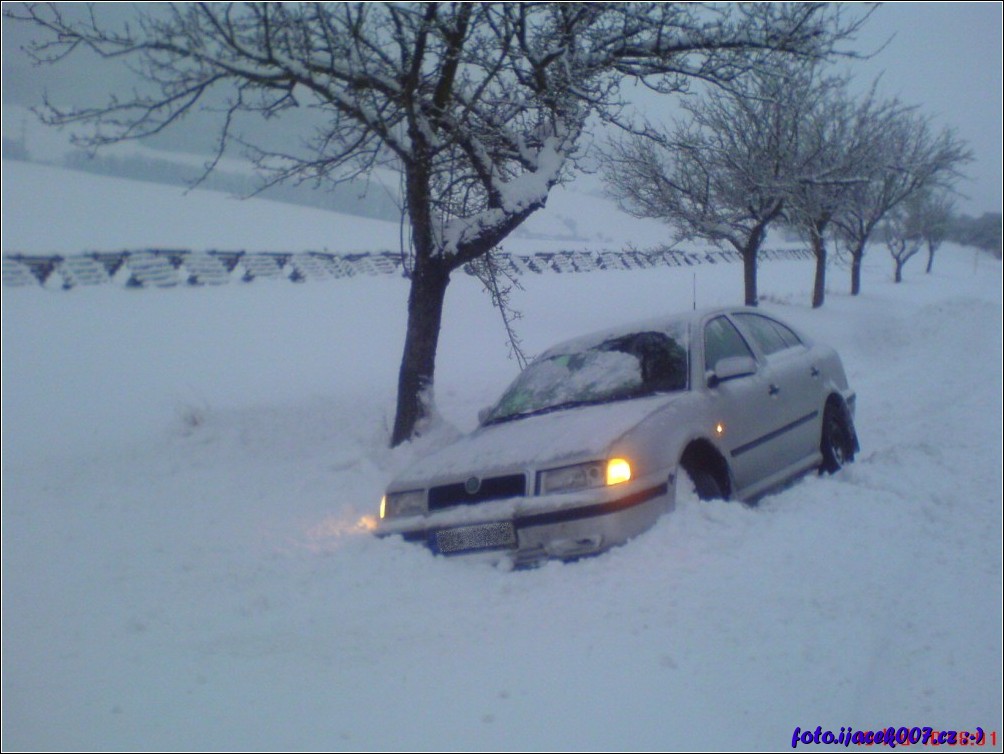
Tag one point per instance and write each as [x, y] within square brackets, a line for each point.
[836, 445]
[705, 484]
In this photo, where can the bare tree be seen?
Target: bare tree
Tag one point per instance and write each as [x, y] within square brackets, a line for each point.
[479, 105]
[724, 174]
[906, 157]
[936, 214]
[837, 148]
[903, 237]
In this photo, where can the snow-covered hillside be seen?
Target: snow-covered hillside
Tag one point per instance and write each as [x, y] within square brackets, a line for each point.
[185, 471]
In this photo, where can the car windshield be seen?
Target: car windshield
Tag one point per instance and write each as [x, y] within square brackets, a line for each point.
[618, 368]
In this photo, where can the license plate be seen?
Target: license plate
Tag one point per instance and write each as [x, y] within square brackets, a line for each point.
[480, 537]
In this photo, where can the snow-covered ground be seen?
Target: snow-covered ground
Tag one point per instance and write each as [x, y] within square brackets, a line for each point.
[185, 471]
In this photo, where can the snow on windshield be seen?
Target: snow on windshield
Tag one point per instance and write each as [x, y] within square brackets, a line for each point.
[618, 368]
[571, 378]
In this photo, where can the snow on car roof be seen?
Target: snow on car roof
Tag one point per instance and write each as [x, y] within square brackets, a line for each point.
[656, 324]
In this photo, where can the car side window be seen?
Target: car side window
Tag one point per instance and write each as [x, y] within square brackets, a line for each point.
[790, 339]
[771, 336]
[721, 340]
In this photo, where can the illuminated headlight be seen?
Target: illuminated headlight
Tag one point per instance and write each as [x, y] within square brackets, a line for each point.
[618, 470]
[584, 475]
[396, 504]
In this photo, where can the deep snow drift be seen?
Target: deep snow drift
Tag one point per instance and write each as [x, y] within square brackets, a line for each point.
[185, 470]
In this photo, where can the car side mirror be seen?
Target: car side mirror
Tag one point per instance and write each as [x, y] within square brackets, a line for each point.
[730, 368]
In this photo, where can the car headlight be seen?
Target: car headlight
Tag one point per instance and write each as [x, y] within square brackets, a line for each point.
[618, 470]
[584, 475]
[396, 504]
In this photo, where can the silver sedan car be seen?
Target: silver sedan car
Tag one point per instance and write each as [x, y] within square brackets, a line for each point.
[583, 451]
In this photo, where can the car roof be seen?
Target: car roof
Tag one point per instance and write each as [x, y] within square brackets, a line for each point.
[656, 324]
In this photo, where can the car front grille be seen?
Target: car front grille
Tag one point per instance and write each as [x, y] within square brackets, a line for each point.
[493, 488]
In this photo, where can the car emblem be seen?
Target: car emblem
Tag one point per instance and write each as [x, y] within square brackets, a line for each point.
[472, 485]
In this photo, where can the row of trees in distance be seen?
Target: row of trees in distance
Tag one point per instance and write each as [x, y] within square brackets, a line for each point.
[791, 146]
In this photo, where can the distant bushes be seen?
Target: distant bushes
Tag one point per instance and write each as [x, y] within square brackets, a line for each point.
[983, 232]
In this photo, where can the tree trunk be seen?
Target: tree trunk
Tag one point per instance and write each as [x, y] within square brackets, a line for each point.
[898, 277]
[749, 252]
[429, 279]
[418, 364]
[749, 277]
[819, 249]
[930, 257]
[857, 254]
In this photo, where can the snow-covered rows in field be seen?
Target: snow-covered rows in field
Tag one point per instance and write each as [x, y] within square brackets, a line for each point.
[185, 470]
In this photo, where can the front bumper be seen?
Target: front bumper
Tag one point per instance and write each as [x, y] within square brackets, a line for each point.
[530, 529]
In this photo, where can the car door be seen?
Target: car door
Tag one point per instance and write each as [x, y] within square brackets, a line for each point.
[743, 409]
[793, 381]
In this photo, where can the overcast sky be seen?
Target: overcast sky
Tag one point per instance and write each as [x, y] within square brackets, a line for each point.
[944, 57]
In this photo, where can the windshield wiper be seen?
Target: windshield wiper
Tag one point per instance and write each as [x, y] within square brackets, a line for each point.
[558, 407]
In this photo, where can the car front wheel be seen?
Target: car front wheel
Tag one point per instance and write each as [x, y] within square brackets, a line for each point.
[837, 445]
[705, 484]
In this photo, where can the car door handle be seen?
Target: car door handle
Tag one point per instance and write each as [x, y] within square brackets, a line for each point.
[773, 389]
[814, 371]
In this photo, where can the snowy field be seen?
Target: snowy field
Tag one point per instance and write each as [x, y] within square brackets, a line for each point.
[185, 472]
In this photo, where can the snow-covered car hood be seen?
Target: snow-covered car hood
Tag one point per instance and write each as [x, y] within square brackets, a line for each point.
[535, 441]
